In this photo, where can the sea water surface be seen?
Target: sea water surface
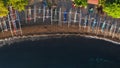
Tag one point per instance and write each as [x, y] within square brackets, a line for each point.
[61, 52]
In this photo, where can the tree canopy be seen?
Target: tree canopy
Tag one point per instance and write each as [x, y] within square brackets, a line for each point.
[111, 7]
[80, 3]
[4, 10]
[16, 4]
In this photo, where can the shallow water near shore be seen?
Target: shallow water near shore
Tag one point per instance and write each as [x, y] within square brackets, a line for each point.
[61, 52]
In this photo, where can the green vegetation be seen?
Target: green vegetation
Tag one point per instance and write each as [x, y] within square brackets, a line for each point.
[4, 10]
[102, 2]
[79, 3]
[49, 4]
[111, 7]
[16, 4]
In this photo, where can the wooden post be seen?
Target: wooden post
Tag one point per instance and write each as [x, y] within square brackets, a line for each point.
[114, 31]
[89, 24]
[69, 19]
[98, 26]
[1, 27]
[19, 21]
[119, 33]
[26, 16]
[111, 30]
[60, 17]
[85, 22]
[75, 17]
[34, 13]
[51, 16]
[47, 13]
[29, 14]
[55, 15]
[5, 25]
[43, 14]
[10, 26]
[103, 26]
[80, 19]
[107, 29]
[12, 20]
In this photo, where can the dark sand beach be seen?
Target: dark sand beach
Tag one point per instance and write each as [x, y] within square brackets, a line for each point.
[56, 29]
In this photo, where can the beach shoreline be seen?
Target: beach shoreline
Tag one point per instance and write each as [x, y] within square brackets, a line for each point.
[53, 31]
[9, 41]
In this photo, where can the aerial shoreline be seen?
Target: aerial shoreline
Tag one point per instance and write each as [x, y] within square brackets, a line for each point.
[11, 40]
[54, 31]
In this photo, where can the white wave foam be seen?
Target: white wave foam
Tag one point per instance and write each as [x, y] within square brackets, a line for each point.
[105, 39]
[8, 41]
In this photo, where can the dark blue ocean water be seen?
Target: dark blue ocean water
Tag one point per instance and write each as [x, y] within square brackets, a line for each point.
[65, 52]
